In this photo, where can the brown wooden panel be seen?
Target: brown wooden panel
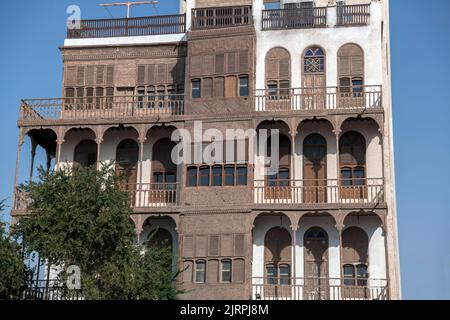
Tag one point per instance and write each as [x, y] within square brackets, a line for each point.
[161, 73]
[238, 270]
[231, 86]
[141, 74]
[196, 66]
[232, 62]
[212, 271]
[226, 246]
[239, 245]
[220, 63]
[151, 74]
[243, 61]
[70, 76]
[214, 243]
[90, 71]
[188, 271]
[188, 246]
[208, 65]
[100, 77]
[80, 76]
[110, 74]
[201, 246]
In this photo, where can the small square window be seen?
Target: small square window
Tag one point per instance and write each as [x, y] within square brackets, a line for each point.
[196, 89]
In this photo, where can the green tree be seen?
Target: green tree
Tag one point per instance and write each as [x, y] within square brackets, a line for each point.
[81, 217]
[13, 272]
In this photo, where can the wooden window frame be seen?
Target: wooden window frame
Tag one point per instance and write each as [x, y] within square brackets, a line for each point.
[223, 167]
[196, 270]
[230, 271]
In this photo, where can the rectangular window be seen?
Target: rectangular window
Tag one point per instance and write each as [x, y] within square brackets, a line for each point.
[217, 176]
[204, 176]
[196, 89]
[229, 175]
[241, 176]
[219, 87]
[200, 271]
[225, 274]
[207, 87]
[272, 274]
[243, 86]
[192, 177]
[285, 275]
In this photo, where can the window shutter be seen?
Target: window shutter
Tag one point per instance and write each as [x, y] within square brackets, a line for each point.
[231, 87]
[272, 69]
[188, 246]
[70, 76]
[219, 87]
[344, 66]
[231, 62]
[239, 271]
[110, 75]
[226, 246]
[214, 246]
[90, 75]
[239, 245]
[207, 87]
[151, 72]
[171, 72]
[70, 93]
[284, 69]
[141, 74]
[188, 271]
[180, 71]
[357, 65]
[220, 63]
[196, 66]
[201, 246]
[80, 76]
[100, 75]
[162, 71]
[208, 65]
[243, 61]
[212, 271]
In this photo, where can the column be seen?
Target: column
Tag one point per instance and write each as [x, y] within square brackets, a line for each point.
[99, 148]
[293, 177]
[33, 155]
[337, 193]
[340, 229]
[16, 178]
[59, 143]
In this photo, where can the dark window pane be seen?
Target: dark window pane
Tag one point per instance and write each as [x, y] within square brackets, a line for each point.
[196, 89]
[241, 176]
[346, 176]
[285, 274]
[349, 275]
[359, 175]
[192, 177]
[229, 176]
[204, 176]
[243, 86]
[217, 176]
[272, 274]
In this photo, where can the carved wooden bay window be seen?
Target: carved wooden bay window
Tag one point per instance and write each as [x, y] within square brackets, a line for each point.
[220, 75]
[278, 74]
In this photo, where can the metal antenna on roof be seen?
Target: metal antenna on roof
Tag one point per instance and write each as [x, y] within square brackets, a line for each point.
[128, 5]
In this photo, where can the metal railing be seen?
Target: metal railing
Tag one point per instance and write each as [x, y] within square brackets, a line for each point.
[319, 98]
[296, 18]
[279, 288]
[330, 191]
[221, 17]
[127, 27]
[353, 15]
[49, 290]
[105, 107]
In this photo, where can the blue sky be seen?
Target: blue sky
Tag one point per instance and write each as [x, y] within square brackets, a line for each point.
[30, 67]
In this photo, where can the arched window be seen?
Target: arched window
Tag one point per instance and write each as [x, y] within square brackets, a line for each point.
[352, 157]
[277, 256]
[278, 73]
[278, 184]
[314, 79]
[127, 155]
[316, 263]
[351, 70]
[314, 61]
[164, 170]
[160, 238]
[85, 154]
[355, 246]
[314, 169]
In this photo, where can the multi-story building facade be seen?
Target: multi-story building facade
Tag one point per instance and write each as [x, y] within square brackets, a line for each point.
[323, 225]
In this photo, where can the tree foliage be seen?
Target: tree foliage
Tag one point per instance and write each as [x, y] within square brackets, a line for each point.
[13, 272]
[81, 217]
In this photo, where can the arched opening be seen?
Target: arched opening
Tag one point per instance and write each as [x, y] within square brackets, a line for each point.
[278, 256]
[355, 262]
[314, 79]
[278, 78]
[164, 172]
[315, 169]
[278, 183]
[127, 156]
[351, 76]
[85, 154]
[160, 238]
[316, 264]
[352, 159]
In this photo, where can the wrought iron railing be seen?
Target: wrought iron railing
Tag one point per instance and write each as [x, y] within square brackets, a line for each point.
[329, 191]
[221, 17]
[126, 27]
[319, 98]
[287, 288]
[49, 290]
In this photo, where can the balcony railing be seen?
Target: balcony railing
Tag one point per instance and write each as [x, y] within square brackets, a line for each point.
[111, 107]
[42, 290]
[319, 289]
[353, 15]
[127, 27]
[297, 18]
[319, 98]
[331, 191]
[221, 17]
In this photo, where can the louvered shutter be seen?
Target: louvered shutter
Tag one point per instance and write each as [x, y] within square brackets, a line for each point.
[212, 271]
[239, 245]
[110, 75]
[196, 66]
[214, 242]
[70, 93]
[171, 72]
[188, 246]
[243, 61]
[90, 71]
[180, 71]
[188, 271]
[207, 87]
[151, 74]
[80, 76]
[226, 246]
[162, 73]
[344, 66]
[272, 69]
[284, 68]
[70, 76]
[220, 63]
[231, 62]
[219, 87]
[239, 271]
[201, 246]
[141, 74]
[231, 86]
[357, 65]
[100, 75]
[208, 65]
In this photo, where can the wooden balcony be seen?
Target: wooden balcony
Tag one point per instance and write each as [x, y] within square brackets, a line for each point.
[320, 98]
[353, 15]
[111, 107]
[297, 18]
[323, 192]
[272, 288]
[221, 17]
[128, 27]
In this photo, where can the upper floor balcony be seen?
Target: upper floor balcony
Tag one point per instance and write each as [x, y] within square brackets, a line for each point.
[221, 17]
